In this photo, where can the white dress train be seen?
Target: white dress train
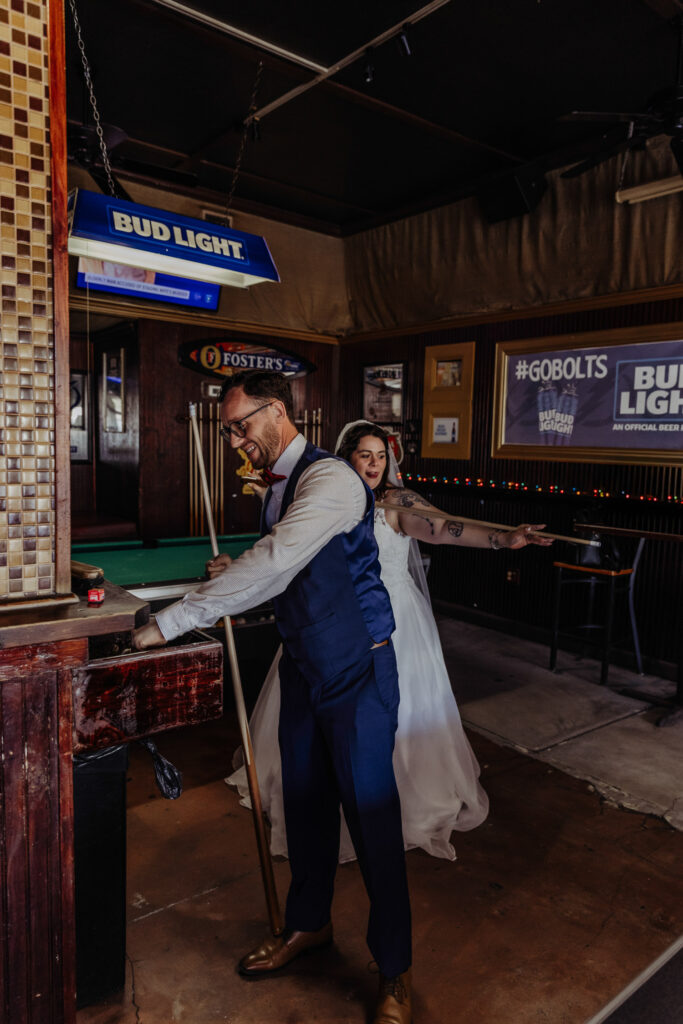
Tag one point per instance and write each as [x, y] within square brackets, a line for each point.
[436, 771]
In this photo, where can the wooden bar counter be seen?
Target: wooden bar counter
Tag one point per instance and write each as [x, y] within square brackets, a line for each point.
[65, 688]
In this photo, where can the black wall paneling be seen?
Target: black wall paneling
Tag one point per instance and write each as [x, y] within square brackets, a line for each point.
[479, 579]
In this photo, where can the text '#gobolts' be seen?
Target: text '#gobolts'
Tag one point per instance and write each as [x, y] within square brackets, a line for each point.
[579, 367]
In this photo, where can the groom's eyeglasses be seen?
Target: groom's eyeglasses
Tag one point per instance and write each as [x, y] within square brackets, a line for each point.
[238, 428]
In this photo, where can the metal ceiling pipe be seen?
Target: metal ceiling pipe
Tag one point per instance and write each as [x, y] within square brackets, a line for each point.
[238, 33]
[339, 65]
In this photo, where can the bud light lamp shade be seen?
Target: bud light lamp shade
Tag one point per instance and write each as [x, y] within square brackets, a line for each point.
[101, 227]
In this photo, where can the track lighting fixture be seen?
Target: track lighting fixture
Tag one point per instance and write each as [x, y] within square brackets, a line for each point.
[369, 73]
[404, 43]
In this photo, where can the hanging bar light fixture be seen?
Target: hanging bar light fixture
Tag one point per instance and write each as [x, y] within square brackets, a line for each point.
[103, 227]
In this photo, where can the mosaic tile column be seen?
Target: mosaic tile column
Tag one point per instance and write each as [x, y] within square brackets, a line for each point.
[27, 351]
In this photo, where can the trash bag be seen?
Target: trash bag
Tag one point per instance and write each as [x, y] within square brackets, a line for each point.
[169, 779]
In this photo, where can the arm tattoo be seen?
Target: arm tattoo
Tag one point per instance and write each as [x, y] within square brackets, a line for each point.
[409, 498]
[454, 527]
[494, 539]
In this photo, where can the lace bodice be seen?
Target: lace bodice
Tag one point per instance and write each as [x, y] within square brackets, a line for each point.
[393, 552]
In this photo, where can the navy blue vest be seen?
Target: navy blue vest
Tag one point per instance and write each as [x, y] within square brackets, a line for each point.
[337, 607]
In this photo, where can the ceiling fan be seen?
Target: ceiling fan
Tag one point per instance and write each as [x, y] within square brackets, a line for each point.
[84, 149]
[663, 115]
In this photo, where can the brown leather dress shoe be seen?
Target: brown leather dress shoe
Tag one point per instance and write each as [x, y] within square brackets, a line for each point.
[395, 1003]
[275, 953]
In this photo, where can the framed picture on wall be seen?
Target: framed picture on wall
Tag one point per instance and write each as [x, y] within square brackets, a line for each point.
[605, 396]
[447, 410]
[448, 373]
[383, 393]
[445, 429]
[113, 391]
[79, 441]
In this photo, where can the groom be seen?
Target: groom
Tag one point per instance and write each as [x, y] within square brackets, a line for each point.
[317, 560]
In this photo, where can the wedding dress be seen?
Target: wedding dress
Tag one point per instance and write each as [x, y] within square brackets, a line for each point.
[436, 771]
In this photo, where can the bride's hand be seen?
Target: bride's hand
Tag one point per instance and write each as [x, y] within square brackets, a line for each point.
[525, 534]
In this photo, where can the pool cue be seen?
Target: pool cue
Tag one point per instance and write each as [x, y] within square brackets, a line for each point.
[190, 470]
[438, 514]
[221, 484]
[274, 915]
[200, 466]
[212, 480]
[196, 487]
[214, 465]
[217, 442]
[194, 481]
[320, 420]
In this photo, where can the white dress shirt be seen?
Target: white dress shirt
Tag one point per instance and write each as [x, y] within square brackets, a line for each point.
[329, 499]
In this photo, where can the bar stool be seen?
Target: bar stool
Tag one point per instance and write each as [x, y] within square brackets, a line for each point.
[617, 582]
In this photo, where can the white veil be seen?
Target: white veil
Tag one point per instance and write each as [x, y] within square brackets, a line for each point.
[415, 560]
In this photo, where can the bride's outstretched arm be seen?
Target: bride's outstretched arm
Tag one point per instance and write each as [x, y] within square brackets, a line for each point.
[412, 512]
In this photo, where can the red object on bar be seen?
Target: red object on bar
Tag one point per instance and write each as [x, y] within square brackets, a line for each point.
[96, 595]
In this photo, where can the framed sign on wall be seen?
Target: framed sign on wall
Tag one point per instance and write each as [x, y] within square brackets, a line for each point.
[447, 410]
[79, 416]
[607, 396]
[383, 393]
[113, 403]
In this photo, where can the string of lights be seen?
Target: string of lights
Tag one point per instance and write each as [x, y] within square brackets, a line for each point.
[551, 489]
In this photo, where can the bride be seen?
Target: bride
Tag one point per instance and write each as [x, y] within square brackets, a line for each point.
[436, 771]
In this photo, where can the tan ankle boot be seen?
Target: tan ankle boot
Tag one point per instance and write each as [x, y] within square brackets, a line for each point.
[395, 1003]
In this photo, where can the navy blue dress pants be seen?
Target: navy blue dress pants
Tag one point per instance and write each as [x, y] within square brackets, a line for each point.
[337, 740]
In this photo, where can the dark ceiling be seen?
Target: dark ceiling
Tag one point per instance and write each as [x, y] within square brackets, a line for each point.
[479, 96]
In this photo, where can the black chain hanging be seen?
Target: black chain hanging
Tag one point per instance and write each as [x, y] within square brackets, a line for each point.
[93, 102]
[243, 141]
[625, 158]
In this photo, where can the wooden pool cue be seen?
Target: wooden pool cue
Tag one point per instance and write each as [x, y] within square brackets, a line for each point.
[212, 481]
[221, 476]
[274, 915]
[438, 514]
[190, 473]
[200, 467]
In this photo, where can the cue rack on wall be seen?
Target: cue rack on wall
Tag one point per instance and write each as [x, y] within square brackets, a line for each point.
[213, 450]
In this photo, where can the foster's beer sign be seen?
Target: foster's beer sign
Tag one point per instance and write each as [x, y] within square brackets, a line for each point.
[223, 357]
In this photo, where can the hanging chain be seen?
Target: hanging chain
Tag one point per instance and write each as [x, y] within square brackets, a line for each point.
[93, 101]
[243, 140]
[624, 160]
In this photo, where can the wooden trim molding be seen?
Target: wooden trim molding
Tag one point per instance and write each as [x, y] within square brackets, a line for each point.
[672, 291]
[60, 289]
[130, 309]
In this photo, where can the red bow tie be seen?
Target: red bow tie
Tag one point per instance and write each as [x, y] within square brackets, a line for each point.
[270, 478]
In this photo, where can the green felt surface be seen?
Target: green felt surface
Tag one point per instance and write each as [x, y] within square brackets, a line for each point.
[129, 562]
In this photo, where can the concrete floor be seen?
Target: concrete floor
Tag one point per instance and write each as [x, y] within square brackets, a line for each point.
[554, 904]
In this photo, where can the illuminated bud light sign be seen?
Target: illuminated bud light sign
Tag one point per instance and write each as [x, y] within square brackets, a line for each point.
[223, 357]
[101, 227]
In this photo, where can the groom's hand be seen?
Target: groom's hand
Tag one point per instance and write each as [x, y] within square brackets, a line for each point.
[148, 636]
[217, 565]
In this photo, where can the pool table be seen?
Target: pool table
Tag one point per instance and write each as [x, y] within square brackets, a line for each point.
[164, 569]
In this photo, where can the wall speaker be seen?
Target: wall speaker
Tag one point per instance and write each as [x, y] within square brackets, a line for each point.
[512, 194]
